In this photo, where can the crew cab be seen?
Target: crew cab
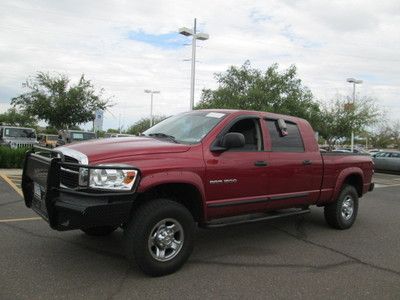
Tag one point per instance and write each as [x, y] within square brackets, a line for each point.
[208, 168]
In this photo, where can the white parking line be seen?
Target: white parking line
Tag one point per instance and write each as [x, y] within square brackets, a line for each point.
[20, 220]
[379, 186]
[8, 180]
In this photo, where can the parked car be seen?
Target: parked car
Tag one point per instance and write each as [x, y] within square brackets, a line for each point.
[348, 150]
[387, 161]
[359, 151]
[17, 137]
[73, 136]
[47, 140]
[210, 168]
[112, 135]
[373, 151]
[341, 151]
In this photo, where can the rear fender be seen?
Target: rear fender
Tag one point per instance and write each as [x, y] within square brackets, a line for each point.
[341, 179]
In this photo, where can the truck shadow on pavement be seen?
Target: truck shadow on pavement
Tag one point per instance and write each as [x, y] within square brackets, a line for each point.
[240, 240]
[259, 245]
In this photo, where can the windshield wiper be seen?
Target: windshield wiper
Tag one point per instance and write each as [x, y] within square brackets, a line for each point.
[163, 135]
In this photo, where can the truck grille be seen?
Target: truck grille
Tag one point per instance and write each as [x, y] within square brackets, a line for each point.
[22, 145]
[69, 175]
[69, 159]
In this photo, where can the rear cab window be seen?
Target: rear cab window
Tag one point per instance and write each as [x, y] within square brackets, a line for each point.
[289, 141]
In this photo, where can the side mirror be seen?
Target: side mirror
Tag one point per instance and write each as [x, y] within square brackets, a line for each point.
[233, 140]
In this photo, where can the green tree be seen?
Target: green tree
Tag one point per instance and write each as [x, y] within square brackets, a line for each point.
[386, 135]
[59, 103]
[112, 130]
[381, 138]
[396, 134]
[50, 130]
[143, 124]
[14, 117]
[270, 90]
[340, 117]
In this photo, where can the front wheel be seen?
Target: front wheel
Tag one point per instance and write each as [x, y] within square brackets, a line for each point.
[343, 212]
[159, 238]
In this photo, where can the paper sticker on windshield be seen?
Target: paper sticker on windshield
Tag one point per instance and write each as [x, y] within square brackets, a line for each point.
[215, 115]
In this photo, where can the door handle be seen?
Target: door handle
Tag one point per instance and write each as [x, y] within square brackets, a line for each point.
[307, 162]
[261, 163]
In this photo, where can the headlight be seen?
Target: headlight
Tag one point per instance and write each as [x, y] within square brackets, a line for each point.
[108, 178]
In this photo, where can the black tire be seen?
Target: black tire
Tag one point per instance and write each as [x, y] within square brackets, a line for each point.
[99, 231]
[340, 214]
[143, 231]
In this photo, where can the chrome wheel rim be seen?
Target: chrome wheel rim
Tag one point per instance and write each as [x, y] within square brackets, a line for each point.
[166, 240]
[347, 208]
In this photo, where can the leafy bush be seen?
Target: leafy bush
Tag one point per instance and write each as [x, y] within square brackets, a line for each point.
[12, 158]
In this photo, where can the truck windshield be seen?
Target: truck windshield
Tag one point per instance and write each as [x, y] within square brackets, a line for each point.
[81, 136]
[186, 128]
[19, 132]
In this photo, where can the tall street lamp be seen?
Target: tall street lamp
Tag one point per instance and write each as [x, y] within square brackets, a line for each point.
[195, 36]
[151, 92]
[354, 82]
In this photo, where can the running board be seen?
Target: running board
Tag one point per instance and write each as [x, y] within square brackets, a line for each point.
[253, 218]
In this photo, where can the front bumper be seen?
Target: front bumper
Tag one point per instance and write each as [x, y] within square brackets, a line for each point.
[67, 209]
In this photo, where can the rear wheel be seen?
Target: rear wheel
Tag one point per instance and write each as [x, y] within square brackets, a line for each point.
[342, 213]
[99, 231]
[159, 238]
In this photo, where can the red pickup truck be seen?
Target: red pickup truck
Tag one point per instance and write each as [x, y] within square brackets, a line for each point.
[208, 167]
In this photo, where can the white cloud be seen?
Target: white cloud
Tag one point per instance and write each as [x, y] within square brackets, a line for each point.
[327, 40]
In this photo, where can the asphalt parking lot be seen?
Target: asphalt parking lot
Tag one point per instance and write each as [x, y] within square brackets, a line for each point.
[287, 258]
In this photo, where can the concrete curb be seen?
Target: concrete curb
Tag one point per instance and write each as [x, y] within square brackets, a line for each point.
[11, 171]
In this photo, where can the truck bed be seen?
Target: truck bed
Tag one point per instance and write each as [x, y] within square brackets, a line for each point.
[336, 168]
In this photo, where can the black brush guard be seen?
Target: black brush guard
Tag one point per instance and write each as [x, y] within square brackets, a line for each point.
[65, 208]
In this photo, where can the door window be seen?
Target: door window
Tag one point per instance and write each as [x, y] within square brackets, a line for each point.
[290, 142]
[250, 128]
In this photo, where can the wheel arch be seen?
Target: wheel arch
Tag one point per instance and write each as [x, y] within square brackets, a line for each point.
[183, 188]
[351, 176]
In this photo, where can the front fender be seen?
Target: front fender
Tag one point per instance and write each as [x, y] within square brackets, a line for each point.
[156, 179]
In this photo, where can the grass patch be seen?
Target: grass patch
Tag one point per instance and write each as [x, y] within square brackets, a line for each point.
[12, 158]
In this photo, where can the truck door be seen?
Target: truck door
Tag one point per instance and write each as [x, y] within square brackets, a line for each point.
[236, 178]
[294, 171]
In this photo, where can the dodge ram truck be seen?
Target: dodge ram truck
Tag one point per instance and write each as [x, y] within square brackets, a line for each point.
[206, 168]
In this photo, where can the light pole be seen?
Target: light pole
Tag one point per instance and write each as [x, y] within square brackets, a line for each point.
[354, 82]
[151, 92]
[195, 36]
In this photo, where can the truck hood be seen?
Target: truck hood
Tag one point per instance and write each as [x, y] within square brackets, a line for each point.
[105, 149]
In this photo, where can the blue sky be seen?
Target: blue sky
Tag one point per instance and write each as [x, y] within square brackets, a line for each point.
[168, 41]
